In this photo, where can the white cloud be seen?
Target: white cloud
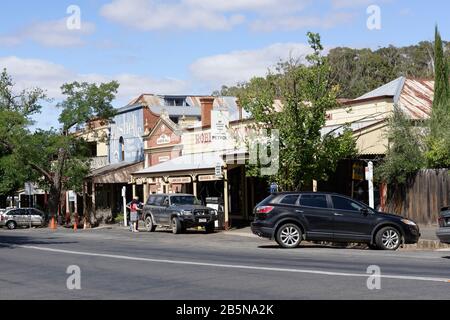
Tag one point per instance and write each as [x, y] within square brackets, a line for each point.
[154, 15]
[260, 15]
[28, 73]
[238, 66]
[292, 23]
[351, 3]
[339, 4]
[50, 34]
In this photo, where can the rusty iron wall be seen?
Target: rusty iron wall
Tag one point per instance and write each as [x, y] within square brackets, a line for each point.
[423, 198]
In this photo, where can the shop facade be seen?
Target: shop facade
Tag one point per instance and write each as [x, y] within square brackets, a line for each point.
[201, 162]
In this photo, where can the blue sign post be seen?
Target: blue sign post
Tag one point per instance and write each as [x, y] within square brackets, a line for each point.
[273, 188]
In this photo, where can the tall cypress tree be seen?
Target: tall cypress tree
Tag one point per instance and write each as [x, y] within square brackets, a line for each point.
[438, 154]
[441, 84]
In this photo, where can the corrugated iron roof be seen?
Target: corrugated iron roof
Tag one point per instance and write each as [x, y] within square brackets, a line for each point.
[413, 96]
[416, 98]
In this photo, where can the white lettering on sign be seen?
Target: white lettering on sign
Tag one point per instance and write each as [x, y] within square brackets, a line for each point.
[180, 180]
[208, 178]
[203, 138]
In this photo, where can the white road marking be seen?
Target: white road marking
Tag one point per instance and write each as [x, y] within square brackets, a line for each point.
[231, 266]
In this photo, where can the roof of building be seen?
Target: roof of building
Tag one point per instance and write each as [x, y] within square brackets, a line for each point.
[177, 111]
[391, 89]
[413, 96]
[157, 104]
[190, 162]
[111, 168]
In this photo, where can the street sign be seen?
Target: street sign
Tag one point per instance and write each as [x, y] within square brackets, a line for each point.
[29, 188]
[369, 178]
[220, 123]
[273, 188]
[72, 196]
[218, 171]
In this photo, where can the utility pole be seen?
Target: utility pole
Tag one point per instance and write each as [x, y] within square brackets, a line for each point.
[124, 199]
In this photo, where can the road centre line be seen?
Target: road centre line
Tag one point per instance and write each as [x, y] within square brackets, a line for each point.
[231, 266]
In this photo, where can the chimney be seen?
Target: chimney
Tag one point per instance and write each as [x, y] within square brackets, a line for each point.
[207, 104]
[241, 114]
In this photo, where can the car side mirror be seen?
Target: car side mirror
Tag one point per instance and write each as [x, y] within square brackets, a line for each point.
[365, 211]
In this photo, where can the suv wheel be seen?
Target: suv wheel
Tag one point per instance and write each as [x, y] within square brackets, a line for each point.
[388, 238]
[289, 236]
[11, 225]
[176, 226]
[149, 224]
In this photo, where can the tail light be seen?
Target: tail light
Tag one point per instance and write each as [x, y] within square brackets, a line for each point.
[262, 212]
[441, 221]
[2, 218]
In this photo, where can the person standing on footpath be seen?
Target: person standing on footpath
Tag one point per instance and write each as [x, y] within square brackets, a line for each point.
[134, 207]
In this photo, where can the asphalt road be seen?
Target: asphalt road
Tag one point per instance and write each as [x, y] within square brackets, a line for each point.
[116, 264]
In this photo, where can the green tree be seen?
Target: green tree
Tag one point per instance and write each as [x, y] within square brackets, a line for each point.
[58, 160]
[16, 111]
[441, 75]
[305, 93]
[438, 141]
[404, 156]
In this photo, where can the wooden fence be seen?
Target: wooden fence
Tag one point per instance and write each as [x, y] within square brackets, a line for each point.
[423, 198]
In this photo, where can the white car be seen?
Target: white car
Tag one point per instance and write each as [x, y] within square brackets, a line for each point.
[23, 217]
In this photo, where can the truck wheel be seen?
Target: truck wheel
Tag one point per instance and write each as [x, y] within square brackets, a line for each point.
[149, 225]
[176, 226]
[210, 228]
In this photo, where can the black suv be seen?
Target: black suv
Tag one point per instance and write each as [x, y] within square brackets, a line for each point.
[179, 212]
[290, 218]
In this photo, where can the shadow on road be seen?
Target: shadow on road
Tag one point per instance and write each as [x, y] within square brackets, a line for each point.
[9, 241]
[316, 246]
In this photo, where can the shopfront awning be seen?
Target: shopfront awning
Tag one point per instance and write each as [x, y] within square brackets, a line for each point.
[115, 173]
[190, 163]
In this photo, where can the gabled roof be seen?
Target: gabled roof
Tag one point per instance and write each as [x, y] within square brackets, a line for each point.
[185, 163]
[169, 123]
[391, 89]
[413, 96]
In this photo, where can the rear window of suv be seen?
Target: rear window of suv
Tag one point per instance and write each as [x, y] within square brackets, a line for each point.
[314, 201]
[289, 199]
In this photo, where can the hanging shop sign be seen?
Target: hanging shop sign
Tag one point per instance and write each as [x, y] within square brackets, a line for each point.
[180, 180]
[208, 178]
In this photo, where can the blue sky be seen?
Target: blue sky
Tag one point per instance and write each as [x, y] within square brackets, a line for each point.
[189, 46]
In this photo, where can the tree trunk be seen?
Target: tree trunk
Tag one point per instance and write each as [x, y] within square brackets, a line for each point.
[53, 201]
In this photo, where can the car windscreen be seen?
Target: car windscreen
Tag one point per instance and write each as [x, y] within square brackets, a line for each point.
[183, 200]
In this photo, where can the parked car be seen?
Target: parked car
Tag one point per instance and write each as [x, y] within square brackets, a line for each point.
[290, 218]
[23, 217]
[443, 232]
[179, 212]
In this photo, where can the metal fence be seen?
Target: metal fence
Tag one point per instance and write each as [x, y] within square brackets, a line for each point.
[423, 197]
